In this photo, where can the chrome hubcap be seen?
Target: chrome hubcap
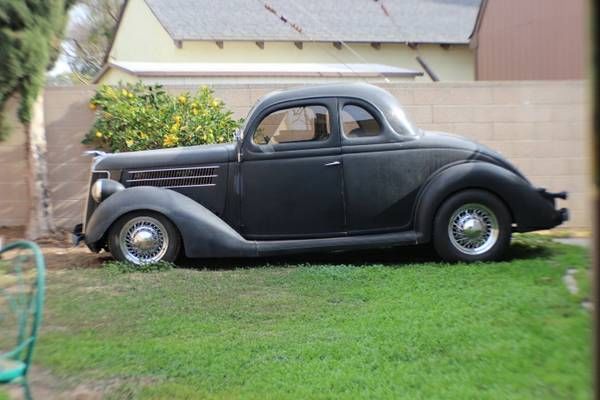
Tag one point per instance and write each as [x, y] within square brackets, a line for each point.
[143, 240]
[473, 229]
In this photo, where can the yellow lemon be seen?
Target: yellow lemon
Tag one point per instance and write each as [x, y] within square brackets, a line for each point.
[170, 140]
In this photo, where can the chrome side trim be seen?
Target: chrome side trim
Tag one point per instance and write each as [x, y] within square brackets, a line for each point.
[169, 169]
[188, 186]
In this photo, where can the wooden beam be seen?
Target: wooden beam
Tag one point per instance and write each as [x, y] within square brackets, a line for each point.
[178, 44]
[299, 45]
[219, 44]
[376, 45]
[261, 45]
[337, 45]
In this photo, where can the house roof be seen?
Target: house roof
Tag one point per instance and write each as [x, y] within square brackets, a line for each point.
[415, 21]
[162, 69]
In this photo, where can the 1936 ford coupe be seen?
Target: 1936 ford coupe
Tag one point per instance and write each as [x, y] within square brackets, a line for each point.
[323, 168]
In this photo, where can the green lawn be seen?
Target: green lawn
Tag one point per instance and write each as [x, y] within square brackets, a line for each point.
[391, 324]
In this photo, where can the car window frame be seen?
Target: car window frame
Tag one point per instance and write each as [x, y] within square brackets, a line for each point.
[333, 141]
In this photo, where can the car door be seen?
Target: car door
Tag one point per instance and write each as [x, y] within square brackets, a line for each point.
[379, 178]
[291, 172]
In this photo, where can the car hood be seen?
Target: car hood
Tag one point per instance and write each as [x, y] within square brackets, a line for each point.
[479, 151]
[179, 156]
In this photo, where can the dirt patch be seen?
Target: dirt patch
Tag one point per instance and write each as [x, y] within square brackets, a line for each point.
[44, 385]
[58, 249]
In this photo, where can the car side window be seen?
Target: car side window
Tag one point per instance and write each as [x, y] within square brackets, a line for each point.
[358, 122]
[295, 124]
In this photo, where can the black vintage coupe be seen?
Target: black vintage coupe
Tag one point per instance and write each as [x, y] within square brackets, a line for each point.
[324, 168]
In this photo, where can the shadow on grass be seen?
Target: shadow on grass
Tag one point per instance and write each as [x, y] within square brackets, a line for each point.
[406, 255]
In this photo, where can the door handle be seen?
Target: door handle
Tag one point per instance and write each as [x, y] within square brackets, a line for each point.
[331, 164]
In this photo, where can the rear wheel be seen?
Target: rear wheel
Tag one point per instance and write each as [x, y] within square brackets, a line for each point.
[144, 237]
[473, 225]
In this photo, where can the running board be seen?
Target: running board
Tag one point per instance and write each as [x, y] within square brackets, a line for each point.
[281, 247]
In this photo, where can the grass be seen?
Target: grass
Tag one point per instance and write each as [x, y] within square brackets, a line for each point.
[389, 324]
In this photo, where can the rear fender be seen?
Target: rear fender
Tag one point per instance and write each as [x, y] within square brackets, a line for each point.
[203, 233]
[529, 209]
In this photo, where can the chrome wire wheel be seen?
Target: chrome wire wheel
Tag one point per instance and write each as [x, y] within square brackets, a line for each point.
[143, 240]
[473, 229]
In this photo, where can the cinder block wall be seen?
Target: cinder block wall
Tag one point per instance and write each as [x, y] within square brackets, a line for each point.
[13, 164]
[68, 118]
[540, 126]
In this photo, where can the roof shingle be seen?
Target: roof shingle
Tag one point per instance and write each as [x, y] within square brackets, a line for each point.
[417, 21]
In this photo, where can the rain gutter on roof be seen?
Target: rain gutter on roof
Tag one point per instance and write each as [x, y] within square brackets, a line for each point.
[329, 74]
[267, 40]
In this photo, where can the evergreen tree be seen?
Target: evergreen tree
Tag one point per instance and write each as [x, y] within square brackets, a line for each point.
[30, 38]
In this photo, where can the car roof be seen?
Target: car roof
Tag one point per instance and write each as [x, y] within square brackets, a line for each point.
[370, 93]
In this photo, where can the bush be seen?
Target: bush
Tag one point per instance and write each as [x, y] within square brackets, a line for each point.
[141, 117]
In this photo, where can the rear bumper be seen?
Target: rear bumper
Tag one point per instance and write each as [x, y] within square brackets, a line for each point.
[562, 215]
[546, 215]
[553, 195]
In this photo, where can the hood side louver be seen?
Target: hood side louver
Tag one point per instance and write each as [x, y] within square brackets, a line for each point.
[173, 177]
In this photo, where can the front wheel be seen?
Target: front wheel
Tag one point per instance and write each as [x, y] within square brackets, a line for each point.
[144, 237]
[473, 225]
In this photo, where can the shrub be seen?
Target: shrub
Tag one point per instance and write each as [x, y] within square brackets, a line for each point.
[141, 117]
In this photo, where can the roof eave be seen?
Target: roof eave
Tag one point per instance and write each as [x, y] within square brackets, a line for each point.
[108, 66]
[290, 40]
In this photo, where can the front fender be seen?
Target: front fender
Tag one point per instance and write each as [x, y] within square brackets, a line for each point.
[203, 233]
[529, 209]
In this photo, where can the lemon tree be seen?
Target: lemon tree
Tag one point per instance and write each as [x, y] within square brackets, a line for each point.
[135, 117]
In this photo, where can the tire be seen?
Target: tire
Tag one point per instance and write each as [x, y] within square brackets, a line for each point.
[472, 225]
[157, 238]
